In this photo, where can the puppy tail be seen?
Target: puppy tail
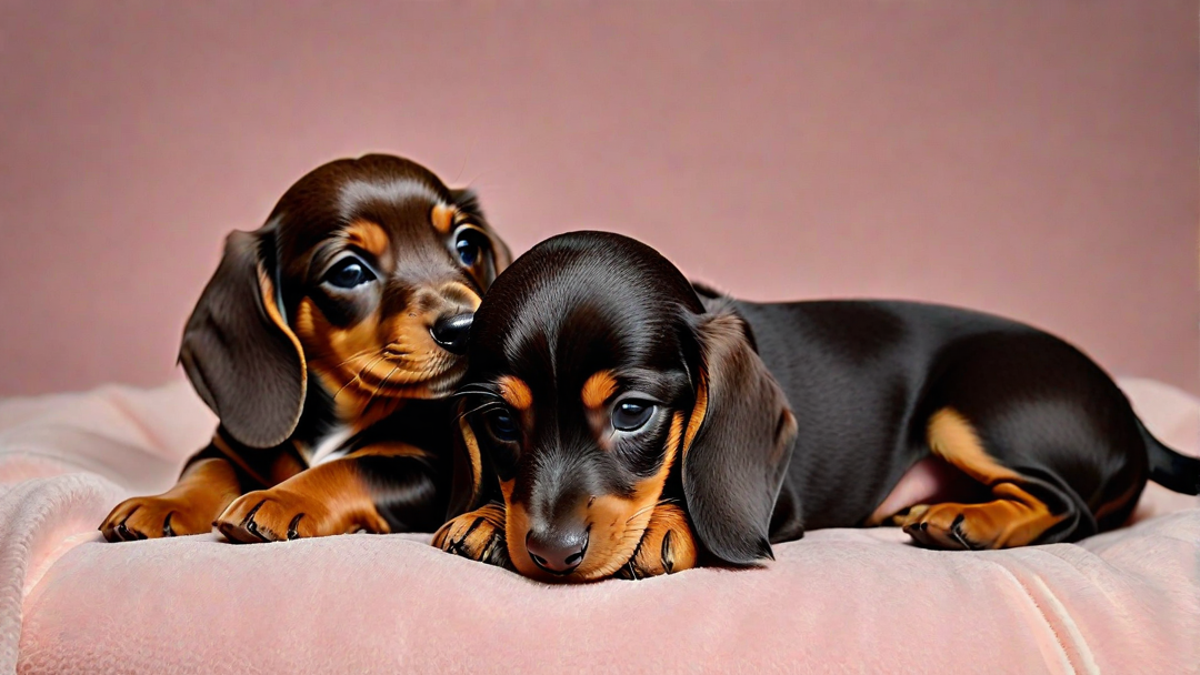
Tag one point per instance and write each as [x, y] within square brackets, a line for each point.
[1170, 469]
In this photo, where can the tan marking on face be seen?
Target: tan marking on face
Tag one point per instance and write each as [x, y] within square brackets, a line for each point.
[598, 388]
[616, 523]
[457, 291]
[368, 367]
[515, 392]
[369, 237]
[443, 218]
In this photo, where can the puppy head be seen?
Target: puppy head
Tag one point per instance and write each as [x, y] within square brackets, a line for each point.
[365, 275]
[598, 381]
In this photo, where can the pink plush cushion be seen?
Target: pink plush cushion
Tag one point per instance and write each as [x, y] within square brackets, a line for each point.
[838, 600]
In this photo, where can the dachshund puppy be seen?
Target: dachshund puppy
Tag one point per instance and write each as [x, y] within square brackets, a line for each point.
[634, 424]
[326, 342]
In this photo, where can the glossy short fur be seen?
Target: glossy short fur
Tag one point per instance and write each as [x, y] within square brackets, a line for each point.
[769, 419]
[327, 342]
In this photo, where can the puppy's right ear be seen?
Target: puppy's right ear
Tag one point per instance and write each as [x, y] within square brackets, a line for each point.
[238, 351]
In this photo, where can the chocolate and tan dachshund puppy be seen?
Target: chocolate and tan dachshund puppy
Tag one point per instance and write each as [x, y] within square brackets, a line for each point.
[327, 342]
[633, 424]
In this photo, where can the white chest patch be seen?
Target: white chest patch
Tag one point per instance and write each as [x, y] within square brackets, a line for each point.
[330, 447]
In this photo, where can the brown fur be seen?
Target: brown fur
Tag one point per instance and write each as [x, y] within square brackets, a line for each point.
[317, 335]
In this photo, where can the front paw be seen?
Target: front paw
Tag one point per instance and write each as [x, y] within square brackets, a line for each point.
[667, 546]
[478, 535]
[157, 516]
[275, 515]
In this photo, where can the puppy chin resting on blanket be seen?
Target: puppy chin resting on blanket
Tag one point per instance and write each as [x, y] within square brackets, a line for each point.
[621, 421]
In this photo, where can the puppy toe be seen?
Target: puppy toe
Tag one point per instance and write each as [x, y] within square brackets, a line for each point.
[478, 535]
[152, 517]
[240, 524]
[278, 515]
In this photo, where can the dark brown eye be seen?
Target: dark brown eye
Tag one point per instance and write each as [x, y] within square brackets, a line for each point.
[502, 426]
[348, 273]
[470, 245]
[632, 415]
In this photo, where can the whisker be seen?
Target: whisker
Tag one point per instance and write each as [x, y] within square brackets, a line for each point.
[357, 355]
[357, 376]
[475, 390]
[640, 512]
[486, 406]
[379, 389]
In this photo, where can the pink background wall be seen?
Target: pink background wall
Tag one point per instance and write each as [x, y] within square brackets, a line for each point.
[1037, 159]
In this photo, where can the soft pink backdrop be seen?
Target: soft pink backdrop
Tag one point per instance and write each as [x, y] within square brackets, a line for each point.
[1037, 159]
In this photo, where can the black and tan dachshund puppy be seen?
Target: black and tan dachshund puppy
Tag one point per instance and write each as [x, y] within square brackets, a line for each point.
[327, 342]
[633, 424]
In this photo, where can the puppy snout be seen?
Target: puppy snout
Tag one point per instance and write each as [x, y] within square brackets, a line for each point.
[451, 332]
[557, 552]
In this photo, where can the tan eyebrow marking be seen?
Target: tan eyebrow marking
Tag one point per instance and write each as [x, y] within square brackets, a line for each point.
[442, 218]
[368, 236]
[598, 388]
[515, 392]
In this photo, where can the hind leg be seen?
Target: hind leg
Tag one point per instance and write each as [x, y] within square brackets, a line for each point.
[1048, 435]
[1015, 517]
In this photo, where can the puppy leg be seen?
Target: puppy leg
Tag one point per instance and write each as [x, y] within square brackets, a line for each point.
[376, 490]
[1015, 516]
[478, 535]
[204, 489]
[667, 546]
[1015, 520]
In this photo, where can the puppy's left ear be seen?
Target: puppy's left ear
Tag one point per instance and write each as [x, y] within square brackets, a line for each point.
[738, 441]
[468, 202]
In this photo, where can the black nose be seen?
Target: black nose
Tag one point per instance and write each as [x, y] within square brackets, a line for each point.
[451, 332]
[557, 553]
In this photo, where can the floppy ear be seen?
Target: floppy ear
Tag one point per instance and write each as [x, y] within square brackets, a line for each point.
[238, 351]
[737, 444]
[466, 486]
[467, 201]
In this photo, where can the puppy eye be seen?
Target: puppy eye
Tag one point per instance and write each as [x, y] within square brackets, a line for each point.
[348, 273]
[470, 244]
[502, 426]
[632, 415]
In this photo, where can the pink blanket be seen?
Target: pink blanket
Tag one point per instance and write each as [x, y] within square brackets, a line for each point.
[836, 601]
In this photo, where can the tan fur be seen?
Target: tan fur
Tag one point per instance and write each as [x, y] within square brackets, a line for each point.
[617, 524]
[371, 238]
[369, 366]
[473, 534]
[1014, 518]
[443, 218]
[515, 392]
[333, 498]
[203, 491]
[667, 546]
[597, 389]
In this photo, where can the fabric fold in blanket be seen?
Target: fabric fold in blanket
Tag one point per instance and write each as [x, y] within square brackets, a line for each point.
[1126, 601]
